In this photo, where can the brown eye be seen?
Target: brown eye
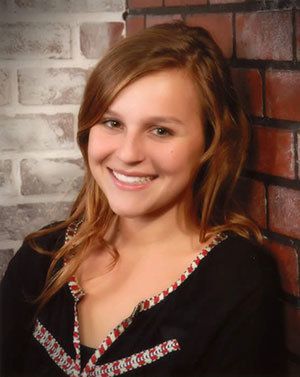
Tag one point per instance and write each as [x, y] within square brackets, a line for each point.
[111, 123]
[161, 131]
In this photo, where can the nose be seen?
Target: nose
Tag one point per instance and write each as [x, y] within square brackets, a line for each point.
[130, 149]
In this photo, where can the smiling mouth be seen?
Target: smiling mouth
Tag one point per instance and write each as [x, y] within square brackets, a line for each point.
[132, 180]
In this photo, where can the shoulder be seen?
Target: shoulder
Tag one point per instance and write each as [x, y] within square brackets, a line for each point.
[237, 250]
[49, 242]
[243, 262]
[29, 267]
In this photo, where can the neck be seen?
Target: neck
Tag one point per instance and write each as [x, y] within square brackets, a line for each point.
[153, 230]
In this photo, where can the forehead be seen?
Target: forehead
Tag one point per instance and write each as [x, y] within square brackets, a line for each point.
[168, 91]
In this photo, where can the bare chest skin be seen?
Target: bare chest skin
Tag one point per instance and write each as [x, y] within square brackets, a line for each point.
[111, 297]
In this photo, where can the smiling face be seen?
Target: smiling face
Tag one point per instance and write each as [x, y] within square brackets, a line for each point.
[146, 150]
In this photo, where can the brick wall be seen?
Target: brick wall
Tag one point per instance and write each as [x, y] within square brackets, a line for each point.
[47, 48]
[261, 40]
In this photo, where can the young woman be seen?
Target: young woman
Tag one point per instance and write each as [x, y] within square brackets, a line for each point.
[156, 272]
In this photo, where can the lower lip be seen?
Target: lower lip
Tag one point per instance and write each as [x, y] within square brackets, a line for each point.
[128, 186]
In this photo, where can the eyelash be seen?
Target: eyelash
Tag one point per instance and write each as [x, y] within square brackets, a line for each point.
[167, 132]
[108, 123]
[117, 124]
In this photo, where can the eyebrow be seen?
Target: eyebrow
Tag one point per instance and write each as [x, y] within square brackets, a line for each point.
[153, 119]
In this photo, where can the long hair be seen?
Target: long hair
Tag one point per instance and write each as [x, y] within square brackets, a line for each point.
[213, 208]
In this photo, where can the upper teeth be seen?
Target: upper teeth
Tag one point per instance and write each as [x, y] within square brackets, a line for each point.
[130, 179]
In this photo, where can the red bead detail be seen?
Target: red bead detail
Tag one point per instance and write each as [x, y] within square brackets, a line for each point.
[152, 354]
[115, 364]
[128, 362]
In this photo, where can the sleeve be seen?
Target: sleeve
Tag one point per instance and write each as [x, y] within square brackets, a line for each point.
[251, 341]
[16, 314]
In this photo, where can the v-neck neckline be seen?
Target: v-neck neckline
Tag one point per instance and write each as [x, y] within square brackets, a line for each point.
[77, 293]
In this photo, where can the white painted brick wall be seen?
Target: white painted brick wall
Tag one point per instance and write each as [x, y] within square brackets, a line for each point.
[47, 49]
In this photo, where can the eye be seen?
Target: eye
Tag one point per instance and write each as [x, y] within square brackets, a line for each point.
[162, 131]
[111, 123]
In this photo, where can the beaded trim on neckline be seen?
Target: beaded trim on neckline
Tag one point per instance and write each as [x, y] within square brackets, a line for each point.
[149, 302]
[72, 366]
[77, 292]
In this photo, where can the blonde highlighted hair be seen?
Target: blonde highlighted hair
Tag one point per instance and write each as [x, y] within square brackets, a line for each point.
[213, 207]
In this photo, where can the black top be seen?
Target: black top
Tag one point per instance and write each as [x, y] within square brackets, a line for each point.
[85, 353]
[222, 317]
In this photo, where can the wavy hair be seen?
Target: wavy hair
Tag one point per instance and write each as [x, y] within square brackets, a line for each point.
[213, 208]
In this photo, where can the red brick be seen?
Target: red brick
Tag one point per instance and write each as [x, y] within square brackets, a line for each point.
[272, 152]
[298, 161]
[248, 84]
[184, 2]
[264, 35]
[298, 34]
[155, 20]
[220, 27]
[134, 24]
[288, 266]
[252, 194]
[282, 94]
[225, 1]
[144, 3]
[284, 213]
[292, 317]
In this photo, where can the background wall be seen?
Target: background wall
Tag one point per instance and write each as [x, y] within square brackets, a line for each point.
[261, 40]
[47, 48]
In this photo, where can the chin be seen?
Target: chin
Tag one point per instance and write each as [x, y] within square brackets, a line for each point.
[128, 211]
[134, 210]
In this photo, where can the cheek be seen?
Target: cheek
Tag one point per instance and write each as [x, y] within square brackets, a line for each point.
[180, 160]
[98, 148]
